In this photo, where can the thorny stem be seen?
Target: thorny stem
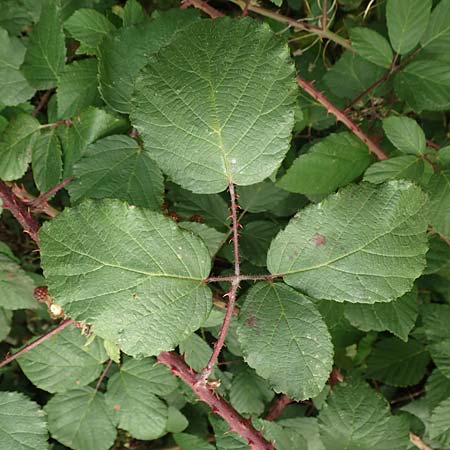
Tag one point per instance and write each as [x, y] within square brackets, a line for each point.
[37, 342]
[218, 405]
[46, 195]
[235, 283]
[278, 406]
[102, 375]
[202, 5]
[20, 211]
[341, 117]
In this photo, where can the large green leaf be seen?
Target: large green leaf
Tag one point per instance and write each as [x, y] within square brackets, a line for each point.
[117, 167]
[424, 85]
[371, 46]
[14, 88]
[22, 422]
[398, 316]
[437, 388]
[405, 134]
[440, 423]
[15, 146]
[356, 417]
[408, 167]
[63, 362]
[330, 163]
[439, 192]
[134, 45]
[77, 88]
[437, 36]
[407, 21]
[285, 339]
[365, 244]
[398, 363]
[16, 286]
[46, 52]
[88, 27]
[80, 419]
[132, 393]
[213, 137]
[134, 271]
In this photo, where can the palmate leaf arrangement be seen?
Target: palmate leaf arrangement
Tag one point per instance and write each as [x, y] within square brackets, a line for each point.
[252, 247]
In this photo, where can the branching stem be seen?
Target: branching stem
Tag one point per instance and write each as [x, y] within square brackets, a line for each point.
[36, 203]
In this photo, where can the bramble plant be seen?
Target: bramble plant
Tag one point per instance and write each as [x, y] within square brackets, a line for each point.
[236, 221]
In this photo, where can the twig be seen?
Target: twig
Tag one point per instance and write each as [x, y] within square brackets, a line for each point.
[36, 203]
[42, 102]
[278, 406]
[20, 211]
[202, 5]
[417, 441]
[218, 405]
[102, 375]
[27, 198]
[322, 33]
[324, 15]
[38, 341]
[232, 293]
[341, 117]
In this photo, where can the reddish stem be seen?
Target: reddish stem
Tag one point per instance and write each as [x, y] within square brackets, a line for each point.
[102, 375]
[37, 342]
[20, 211]
[42, 102]
[235, 283]
[218, 405]
[341, 117]
[231, 278]
[324, 14]
[278, 407]
[202, 5]
[36, 203]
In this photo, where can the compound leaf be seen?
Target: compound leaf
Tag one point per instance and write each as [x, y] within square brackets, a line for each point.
[365, 244]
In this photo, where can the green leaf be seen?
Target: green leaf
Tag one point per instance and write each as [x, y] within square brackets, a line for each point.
[356, 417]
[23, 423]
[80, 419]
[440, 423]
[424, 85]
[210, 236]
[46, 51]
[117, 167]
[133, 13]
[255, 240]
[308, 427]
[134, 45]
[16, 15]
[437, 388]
[365, 244]
[132, 393]
[5, 323]
[63, 362]
[88, 27]
[439, 191]
[15, 146]
[330, 163]
[249, 393]
[14, 87]
[267, 196]
[371, 46]
[47, 160]
[398, 363]
[285, 438]
[211, 138]
[77, 88]
[191, 442]
[226, 439]
[407, 21]
[15, 285]
[285, 339]
[437, 36]
[405, 134]
[398, 316]
[352, 75]
[407, 167]
[135, 270]
[196, 352]
[438, 257]
[176, 421]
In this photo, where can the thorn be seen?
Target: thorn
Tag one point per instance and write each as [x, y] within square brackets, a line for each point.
[240, 225]
[228, 294]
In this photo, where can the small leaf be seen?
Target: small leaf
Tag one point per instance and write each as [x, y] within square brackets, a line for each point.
[15, 146]
[5, 323]
[398, 363]
[407, 21]
[330, 163]
[23, 423]
[77, 88]
[62, 362]
[440, 423]
[285, 339]
[365, 244]
[405, 134]
[176, 421]
[196, 352]
[406, 167]
[46, 51]
[47, 160]
[356, 417]
[439, 191]
[112, 350]
[226, 439]
[212, 138]
[80, 419]
[128, 276]
[89, 27]
[117, 167]
[285, 438]
[14, 87]
[438, 257]
[437, 388]
[210, 236]
[372, 46]
[133, 13]
[437, 36]
[191, 442]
